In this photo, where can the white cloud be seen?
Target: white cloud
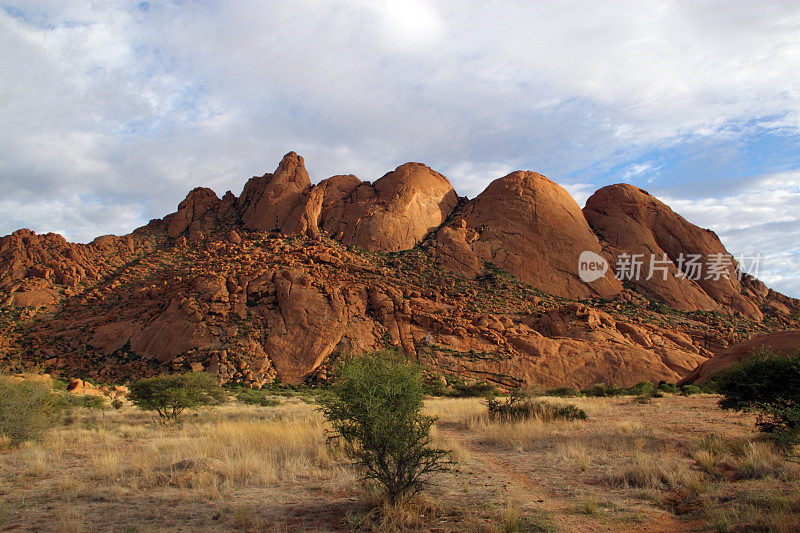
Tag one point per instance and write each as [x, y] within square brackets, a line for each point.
[133, 107]
[638, 170]
[408, 24]
[760, 221]
[94, 217]
[581, 192]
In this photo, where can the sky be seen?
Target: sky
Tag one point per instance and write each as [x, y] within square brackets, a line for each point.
[110, 112]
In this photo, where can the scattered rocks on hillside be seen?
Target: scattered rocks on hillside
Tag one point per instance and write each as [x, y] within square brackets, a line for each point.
[279, 282]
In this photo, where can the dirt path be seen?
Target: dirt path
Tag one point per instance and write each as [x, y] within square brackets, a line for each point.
[512, 477]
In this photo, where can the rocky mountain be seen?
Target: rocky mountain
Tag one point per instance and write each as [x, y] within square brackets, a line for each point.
[283, 279]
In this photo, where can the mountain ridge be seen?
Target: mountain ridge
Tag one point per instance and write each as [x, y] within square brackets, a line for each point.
[281, 280]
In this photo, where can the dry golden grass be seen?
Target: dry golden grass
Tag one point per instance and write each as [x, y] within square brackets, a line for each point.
[665, 470]
[753, 505]
[520, 436]
[576, 453]
[510, 517]
[214, 455]
[36, 460]
[256, 468]
[759, 460]
[68, 521]
[458, 452]
[593, 406]
[454, 411]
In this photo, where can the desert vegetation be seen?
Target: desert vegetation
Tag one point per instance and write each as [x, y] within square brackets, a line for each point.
[170, 395]
[263, 460]
[768, 384]
[374, 408]
[27, 410]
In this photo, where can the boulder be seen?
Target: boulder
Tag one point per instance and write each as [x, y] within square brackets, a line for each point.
[634, 223]
[531, 227]
[394, 213]
[198, 202]
[267, 201]
[304, 328]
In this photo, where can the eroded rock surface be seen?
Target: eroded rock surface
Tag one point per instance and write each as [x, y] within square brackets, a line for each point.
[531, 227]
[283, 280]
[635, 223]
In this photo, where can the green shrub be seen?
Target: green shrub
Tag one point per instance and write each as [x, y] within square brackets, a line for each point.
[374, 406]
[769, 385]
[602, 390]
[256, 397]
[89, 401]
[169, 395]
[670, 388]
[116, 403]
[517, 407]
[477, 389]
[433, 386]
[27, 410]
[688, 390]
[643, 388]
[567, 412]
[563, 392]
[709, 387]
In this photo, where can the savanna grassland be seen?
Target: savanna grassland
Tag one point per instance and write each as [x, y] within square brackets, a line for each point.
[676, 464]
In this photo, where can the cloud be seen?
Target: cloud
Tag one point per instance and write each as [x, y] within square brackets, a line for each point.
[131, 104]
[760, 225]
[639, 169]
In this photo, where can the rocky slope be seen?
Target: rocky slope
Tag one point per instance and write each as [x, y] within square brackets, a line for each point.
[283, 279]
[633, 222]
[782, 343]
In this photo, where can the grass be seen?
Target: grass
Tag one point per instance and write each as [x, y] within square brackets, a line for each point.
[510, 518]
[591, 507]
[576, 453]
[656, 471]
[521, 436]
[249, 467]
[215, 455]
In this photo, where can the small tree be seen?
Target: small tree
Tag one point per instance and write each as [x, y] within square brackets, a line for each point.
[169, 395]
[375, 408]
[768, 384]
[27, 410]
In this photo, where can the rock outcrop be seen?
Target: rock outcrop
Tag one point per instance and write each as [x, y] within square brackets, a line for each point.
[267, 201]
[281, 281]
[640, 228]
[528, 226]
[33, 267]
[395, 212]
[197, 203]
[782, 343]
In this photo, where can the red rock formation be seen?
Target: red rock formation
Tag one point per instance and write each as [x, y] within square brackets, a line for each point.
[392, 214]
[31, 265]
[197, 203]
[783, 343]
[529, 226]
[634, 222]
[267, 202]
[203, 289]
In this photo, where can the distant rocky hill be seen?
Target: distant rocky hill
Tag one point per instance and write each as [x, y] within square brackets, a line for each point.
[283, 279]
